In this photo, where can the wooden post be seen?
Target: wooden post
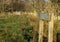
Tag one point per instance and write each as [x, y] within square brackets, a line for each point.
[41, 25]
[50, 29]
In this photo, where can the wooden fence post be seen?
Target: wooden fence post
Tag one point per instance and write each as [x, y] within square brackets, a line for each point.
[41, 26]
[50, 28]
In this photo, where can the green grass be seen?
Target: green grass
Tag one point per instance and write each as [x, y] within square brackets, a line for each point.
[8, 23]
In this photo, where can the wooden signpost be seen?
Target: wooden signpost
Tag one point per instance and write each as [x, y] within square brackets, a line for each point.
[50, 19]
[43, 17]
